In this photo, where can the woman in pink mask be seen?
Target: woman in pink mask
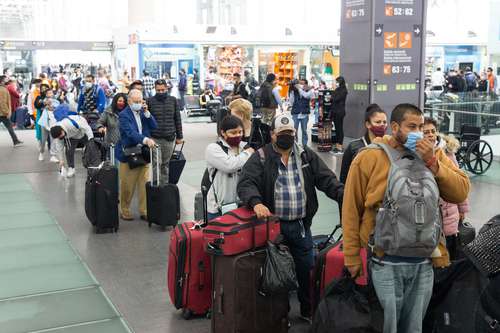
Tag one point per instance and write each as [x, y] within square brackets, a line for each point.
[376, 126]
[225, 158]
[108, 124]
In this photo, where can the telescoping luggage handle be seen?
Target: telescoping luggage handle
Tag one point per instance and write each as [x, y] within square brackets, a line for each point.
[203, 224]
[112, 154]
[158, 159]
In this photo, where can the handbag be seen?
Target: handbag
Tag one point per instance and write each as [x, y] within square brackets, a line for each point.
[136, 156]
[279, 275]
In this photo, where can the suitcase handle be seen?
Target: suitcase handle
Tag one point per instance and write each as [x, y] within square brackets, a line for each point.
[158, 158]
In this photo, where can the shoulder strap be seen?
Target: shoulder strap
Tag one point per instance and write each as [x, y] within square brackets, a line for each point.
[393, 154]
[74, 123]
[262, 155]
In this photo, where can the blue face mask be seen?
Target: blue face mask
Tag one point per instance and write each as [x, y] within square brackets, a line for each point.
[136, 106]
[411, 141]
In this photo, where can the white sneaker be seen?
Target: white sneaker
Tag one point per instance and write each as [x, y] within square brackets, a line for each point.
[40, 157]
[71, 172]
[54, 159]
[64, 172]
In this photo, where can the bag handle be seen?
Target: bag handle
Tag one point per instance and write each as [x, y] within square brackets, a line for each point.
[158, 158]
[180, 151]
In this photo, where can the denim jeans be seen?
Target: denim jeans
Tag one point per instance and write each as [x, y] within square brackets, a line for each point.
[303, 125]
[212, 216]
[299, 240]
[404, 292]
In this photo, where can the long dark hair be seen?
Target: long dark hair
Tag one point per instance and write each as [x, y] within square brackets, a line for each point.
[114, 108]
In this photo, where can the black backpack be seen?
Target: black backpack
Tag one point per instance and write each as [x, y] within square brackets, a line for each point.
[207, 179]
[94, 153]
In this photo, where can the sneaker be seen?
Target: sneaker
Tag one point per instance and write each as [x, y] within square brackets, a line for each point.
[54, 159]
[18, 144]
[71, 172]
[40, 157]
[64, 172]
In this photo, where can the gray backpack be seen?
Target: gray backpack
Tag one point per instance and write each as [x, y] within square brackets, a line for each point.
[409, 222]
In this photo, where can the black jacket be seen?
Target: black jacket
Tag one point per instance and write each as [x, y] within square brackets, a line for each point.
[349, 154]
[257, 180]
[339, 97]
[167, 116]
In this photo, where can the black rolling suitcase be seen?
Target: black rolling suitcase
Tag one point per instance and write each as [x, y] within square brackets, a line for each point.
[163, 202]
[176, 165]
[101, 196]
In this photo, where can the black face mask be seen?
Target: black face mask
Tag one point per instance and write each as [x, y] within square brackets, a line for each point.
[285, 141]
[161, 96]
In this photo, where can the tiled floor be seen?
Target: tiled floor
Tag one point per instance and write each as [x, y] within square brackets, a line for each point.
[130, 266]
[44, 285]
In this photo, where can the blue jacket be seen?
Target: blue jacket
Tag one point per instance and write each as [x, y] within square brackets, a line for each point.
[182, 86]
[129, 132]
[100, 102]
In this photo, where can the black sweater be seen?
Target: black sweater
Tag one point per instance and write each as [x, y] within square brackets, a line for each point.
[168, 118]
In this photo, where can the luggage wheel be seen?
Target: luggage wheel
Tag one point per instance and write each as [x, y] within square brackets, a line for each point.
[186, 314]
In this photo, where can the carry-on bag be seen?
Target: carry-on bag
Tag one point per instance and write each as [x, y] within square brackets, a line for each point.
[325, 135]
[163, 202]
[189, 272]
[238, 231]
[238, 306]
[101, 195]
[329, 267]
[176, 165]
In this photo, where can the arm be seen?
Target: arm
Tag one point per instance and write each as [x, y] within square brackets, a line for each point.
[178, 122]
[339, 96]
[454, 185]
[352, 212]
[39, 103]
[324, 179]
[346, 163]
[148, 118]
[227, 163]
[101, 100]
[103, 120]
[306, 94]
[81, 99]
[84, 126]
[277, 97]
[250, 182]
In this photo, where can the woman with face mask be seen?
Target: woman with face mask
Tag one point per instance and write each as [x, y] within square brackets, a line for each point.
[451, 213]
[108, 123]
[225, 158]
[376, 126]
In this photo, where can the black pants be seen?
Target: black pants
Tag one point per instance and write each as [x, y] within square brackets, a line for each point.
[8, 125]
[299, 240]
[338, 121]
[452, 246]
[70, 150]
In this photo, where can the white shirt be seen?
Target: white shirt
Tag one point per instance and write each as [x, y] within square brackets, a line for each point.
[437, 78]
[138, 121]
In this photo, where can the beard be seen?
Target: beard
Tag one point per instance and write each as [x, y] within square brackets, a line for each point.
[400, 137]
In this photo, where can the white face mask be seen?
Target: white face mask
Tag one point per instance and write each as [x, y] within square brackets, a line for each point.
[136, 106]
[88, 85]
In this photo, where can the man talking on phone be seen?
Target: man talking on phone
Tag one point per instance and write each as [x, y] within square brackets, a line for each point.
[136, 124]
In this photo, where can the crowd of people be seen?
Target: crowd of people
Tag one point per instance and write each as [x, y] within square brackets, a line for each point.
[465, 81]
[279, 176]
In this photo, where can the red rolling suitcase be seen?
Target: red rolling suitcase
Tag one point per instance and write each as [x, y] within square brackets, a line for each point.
[238, 231]
[189, 272]
[330, 266]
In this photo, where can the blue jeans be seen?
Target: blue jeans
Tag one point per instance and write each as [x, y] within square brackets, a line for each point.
[299, 240]
[303, 124]
[404, 292]
[212, 216]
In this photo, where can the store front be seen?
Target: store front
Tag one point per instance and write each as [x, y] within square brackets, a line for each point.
[325, 63]
[221, 62]
[286, 62]
[162, 60]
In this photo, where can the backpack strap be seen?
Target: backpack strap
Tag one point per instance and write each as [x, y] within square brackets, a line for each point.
[262, 156]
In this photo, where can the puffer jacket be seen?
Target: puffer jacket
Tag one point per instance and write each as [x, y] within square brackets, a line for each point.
[109, 119]
[451, 212]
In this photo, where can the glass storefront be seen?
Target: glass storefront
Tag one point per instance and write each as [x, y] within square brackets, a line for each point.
[165, 60]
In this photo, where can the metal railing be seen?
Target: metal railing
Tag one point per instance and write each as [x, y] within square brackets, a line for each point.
[473, 109]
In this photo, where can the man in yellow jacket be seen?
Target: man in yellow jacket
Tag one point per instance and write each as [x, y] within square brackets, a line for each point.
[5, 110]
[403, 283]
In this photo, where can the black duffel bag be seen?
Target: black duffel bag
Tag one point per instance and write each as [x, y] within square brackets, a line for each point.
[137, 156]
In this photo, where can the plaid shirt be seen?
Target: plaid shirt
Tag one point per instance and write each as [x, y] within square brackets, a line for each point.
[149, 83]
[289, 199]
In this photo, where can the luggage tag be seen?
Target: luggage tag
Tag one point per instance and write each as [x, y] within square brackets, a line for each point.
[229, 207]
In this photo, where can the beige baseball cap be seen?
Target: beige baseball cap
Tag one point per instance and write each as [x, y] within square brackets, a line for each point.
[283, 122]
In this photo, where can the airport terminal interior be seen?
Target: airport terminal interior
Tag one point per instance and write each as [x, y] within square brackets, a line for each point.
[209, 83]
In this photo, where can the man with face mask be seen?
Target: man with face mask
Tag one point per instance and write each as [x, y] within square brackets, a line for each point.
[136, 124]
[403, 281]
[281, 180]
[165, 110]
[92, 97]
